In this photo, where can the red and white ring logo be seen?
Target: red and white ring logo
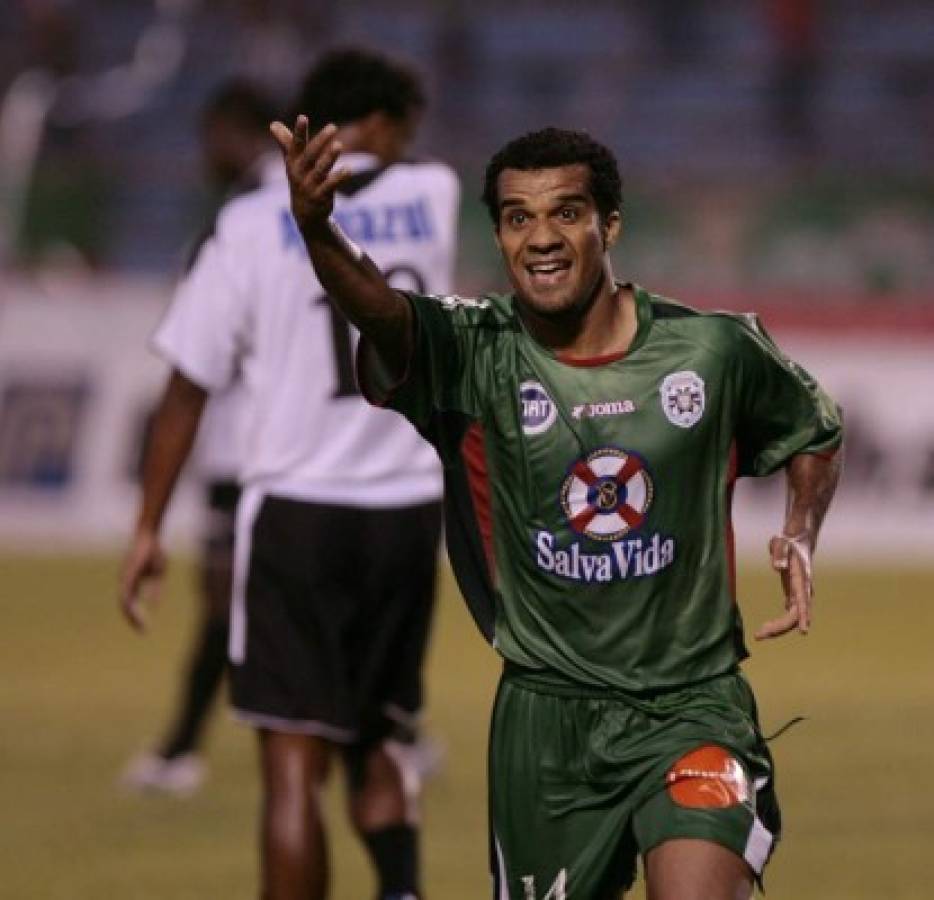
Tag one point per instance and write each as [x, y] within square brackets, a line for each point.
[607, 494]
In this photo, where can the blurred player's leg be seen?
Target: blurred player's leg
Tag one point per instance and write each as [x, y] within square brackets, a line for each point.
[312, 629]
[209, 656]
[383, 812]
[294, 851]
[175, 767]
[385, 648]
[204, 675]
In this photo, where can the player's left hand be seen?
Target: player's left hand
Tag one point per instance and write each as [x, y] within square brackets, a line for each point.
[791, 558]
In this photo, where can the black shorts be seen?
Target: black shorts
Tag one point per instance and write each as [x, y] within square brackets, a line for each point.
[335, 615]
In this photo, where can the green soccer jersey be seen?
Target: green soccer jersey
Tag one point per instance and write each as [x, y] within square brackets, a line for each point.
[589, 502]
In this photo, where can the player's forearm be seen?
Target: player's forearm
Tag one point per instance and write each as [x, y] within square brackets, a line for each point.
[359, 289]
[170, 441]
[811, 482]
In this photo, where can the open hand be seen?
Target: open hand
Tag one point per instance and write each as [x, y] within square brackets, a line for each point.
[791, 558]
[143, 569]
[308, 164]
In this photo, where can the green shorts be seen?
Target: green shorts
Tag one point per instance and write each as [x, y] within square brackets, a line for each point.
[582, 782]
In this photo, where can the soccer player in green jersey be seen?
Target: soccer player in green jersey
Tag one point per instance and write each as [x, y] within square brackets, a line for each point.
[591, 434]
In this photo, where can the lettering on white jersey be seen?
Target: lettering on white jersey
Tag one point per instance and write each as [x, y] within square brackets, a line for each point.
[557, 891]
[387, 222]
[538, 410]
[683, 398]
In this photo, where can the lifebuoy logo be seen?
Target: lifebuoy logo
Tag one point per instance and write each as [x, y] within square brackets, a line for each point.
[605, 498]
[607, 494]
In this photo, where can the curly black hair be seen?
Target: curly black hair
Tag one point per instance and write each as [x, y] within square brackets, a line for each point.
[549, 149]
[348, 84]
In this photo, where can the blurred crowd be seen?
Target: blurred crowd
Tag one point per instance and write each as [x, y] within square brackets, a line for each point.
[775, 143]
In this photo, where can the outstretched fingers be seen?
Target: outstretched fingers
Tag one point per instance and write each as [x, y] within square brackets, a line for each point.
[283, 136]
[298, 148]
[322, 165]
[309, 162]
[334, 180]
[791, 558]
[301, 134]
[777, 627]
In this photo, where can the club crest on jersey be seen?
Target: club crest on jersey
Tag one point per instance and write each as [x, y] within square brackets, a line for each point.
[607, 494]
[683, 398]
[538, 410]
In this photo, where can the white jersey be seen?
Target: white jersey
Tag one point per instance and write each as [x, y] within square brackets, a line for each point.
[219, 450]
[252, 306]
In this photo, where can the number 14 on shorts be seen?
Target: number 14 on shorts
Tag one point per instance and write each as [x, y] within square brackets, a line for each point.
[557, 891]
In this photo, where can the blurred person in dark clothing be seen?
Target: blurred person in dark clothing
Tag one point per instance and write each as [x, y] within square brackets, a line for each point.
[65, 195]
[238, 157]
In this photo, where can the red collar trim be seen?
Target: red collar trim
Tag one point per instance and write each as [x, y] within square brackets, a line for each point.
[587, 362]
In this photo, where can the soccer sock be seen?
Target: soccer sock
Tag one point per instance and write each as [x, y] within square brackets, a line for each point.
[202, 679]
[394, 851]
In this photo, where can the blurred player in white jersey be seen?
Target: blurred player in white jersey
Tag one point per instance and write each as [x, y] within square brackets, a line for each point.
[339, 520]
[238, 158]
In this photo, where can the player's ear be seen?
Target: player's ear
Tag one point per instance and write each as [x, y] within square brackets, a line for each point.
[612, 227]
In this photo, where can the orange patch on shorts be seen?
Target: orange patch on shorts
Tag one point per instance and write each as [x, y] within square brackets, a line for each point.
[707, 778]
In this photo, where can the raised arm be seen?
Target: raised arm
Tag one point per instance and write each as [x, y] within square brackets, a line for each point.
[811, 482]
[170, 441]
[346, 273]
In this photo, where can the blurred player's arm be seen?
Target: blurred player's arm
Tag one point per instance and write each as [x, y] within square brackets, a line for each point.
[170, 441]
[350, 278]
[811, 482]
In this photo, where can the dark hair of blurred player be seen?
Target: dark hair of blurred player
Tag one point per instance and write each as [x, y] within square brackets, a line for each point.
[234, 132]
[377, 101]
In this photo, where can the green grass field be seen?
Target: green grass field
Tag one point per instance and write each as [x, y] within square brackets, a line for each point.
[79, 693]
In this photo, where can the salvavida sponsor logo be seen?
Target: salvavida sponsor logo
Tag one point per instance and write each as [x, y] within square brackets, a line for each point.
[632, 557]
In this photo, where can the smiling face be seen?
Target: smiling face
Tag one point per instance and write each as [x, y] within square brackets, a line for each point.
[552, 239]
